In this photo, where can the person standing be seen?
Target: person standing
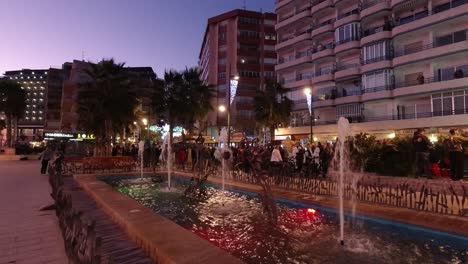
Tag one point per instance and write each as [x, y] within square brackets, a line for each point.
[454, 145]
[422, 145]
[276, 155]
[45, 157]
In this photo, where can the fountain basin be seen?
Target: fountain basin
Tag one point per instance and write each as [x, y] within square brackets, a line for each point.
[325, 240]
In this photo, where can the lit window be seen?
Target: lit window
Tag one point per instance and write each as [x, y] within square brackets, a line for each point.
[22, 77]
[16, 78]
[21, 73]
[30, 82]
[22, 88]
[45, 72]
[28, 106]
[11, 78]
[38, 82]
[29, 77]
[40, 118]
[32, 72]
[25, 82]
[34, 77]
[40, 77]
[34, 118]
[29, 88]
[42, 82]
[27, 117]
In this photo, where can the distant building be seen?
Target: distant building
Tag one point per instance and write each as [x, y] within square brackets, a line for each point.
[387, 66]
[35, 83]
[239, 42]
[75, 76]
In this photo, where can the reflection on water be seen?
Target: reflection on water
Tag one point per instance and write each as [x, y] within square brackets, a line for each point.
[235, 222]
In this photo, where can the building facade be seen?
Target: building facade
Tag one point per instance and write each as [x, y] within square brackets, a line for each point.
[35, 83]
[237, 43]
[387, 66]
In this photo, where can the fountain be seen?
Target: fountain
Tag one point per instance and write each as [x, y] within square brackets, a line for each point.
[343, 132]
[223, 148]
[141, 148]
[167, 155]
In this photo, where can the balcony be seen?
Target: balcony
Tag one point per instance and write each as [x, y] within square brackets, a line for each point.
[429, 85]
[348, 95]
[319, 29]
[319, 5]
[347, 44]
[300, 105]
[324, 76]
[300, 58]
[425, 18]
[376, 34]
[299, 16]
[322, 52]
[302, 36]
[282, 3]
[381, 62]
[344, 71]
[372, 7]
[347, 18]
[432, 50]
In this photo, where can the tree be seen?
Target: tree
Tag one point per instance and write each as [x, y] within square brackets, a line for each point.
[182, 98]
[13, 104]
[106, 103]
[272, 107]
[199, 98]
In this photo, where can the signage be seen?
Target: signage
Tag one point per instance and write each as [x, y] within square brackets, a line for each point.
[59, 135]
[86, 136]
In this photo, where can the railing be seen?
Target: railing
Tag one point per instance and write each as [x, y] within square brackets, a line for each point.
[379, 88]
[368, 4]
[347, 14]
[403, 52]
[343, 41]
[328, 22]
[435, 10]
[344, 92]
[375, 30]
[341, 67]
[377, 59]
[433, 79]
[445, 199]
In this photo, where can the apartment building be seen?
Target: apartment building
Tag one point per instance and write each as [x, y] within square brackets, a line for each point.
[237, 43]
[389, 66]
[35, 83]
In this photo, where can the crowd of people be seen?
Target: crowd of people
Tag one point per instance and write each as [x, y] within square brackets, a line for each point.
[453, 154]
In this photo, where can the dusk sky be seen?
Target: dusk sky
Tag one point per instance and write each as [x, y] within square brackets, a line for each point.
[164, 34]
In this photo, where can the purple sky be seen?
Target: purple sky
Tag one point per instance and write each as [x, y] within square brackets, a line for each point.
[159, 33]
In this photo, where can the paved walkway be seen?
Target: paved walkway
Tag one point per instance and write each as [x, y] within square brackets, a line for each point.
[26, 234]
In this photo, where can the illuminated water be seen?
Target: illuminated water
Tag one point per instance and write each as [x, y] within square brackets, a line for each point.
[305, 234]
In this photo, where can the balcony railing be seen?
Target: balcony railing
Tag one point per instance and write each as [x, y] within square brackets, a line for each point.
[379, 88]
[364, 119]
[347, 14]
[435, 10]
[434, 79]
[375, 30]
[403, 52]
[343, 41]
[368, 4]
[324, 23]
[342, 67]
[377, 59]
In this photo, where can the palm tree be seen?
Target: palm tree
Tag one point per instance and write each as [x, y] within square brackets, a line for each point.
[199, 94]
[106, 103]
[272, 107]
[13, 104]
[182, 98]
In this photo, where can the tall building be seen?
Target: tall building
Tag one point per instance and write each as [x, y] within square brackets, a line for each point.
[388, 66]
[35, 83]
[238, 43]
[75, 76]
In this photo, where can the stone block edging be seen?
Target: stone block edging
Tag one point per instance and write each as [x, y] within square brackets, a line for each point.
[163, 240]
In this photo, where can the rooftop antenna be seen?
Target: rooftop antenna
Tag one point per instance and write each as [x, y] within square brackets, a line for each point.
[244, 6]
[82, 55]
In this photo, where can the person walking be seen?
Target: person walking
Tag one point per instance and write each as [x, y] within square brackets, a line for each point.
[422, 145]
[276, 155]
[45, 156]
[454, 145]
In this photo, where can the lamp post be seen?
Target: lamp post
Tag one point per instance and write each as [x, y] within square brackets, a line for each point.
[145, 123]
[233, 81]
[308, 93]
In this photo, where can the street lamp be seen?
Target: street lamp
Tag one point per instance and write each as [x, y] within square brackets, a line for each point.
[222, 108]
[145, 123]
[308, 93]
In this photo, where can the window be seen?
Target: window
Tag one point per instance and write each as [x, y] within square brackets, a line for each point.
[451, 38]
[377, 81]
[270, 36]
[348, 110]
[347, 33]
[250, 74]
[248, 20]
[376, 52]
[248, 34]
[269, 61]
[450, 103]
[453, 72]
